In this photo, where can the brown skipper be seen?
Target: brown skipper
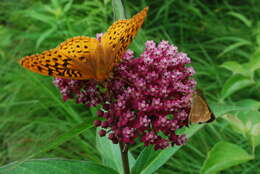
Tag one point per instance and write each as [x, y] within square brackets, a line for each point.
[200, 111]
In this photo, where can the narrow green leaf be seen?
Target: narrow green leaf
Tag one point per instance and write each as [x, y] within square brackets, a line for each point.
[65, 137]
[242, 18]
[68, 6]
[254, 62]
[40, 17]
[146, 156]
[111, 154]
[234, 67]
[234, 46]
[226, 39]
[235, 83]
[55, 166]
[55, 3]
[118, 8]
[224, 155]
[44, 36]
[195, 11]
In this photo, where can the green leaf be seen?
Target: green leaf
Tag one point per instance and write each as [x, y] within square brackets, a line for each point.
[221, 109]
[65, 137]
[255, 140]
[40, 17]
[234, 67]
[227, 38]
[195, 11]
[254, 62]
[249, 115]
[143, 160]
[233, 84]
[111, 154]
[236, 124]
[44, 36]
[255, 135]
[222, 156]
[118, 9]
[249, 104]
[234, 46]
[150, 160]
[55, 166]
[68, 6]
[256, 129]
[242, 18]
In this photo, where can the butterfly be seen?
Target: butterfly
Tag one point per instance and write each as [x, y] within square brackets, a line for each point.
[200, 111]
[84, 57]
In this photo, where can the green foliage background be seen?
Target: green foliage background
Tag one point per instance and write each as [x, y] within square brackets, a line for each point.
[222, 37]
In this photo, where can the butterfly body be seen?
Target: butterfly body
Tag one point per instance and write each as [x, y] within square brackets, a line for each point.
[84, 57]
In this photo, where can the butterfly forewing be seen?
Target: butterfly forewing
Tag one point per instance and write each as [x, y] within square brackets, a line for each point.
[115, 41]
[200, 111]
[65, 60]
[122, 33]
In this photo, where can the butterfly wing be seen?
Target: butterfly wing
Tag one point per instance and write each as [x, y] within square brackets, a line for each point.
[120, 34]
[200, 111]
[72, 59]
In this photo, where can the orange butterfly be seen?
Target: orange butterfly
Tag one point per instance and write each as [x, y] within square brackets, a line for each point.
[84, 57]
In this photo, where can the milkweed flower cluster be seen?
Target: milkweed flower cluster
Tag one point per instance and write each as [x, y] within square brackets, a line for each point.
[147, 98]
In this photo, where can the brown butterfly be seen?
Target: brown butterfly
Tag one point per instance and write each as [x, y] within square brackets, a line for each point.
[200, 111]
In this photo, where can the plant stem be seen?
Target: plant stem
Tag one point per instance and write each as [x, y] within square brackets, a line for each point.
[119, 13]
[118, 9]
[124, 156]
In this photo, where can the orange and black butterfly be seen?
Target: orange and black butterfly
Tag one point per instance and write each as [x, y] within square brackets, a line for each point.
[84, 57]
[200, 111]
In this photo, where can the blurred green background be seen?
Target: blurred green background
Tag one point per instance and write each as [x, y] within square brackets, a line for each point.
[222, 37]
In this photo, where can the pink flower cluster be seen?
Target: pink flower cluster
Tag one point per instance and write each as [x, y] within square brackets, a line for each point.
[148, 97]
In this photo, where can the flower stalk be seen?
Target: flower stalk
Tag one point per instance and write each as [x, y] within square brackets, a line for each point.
[119, 13]
[124, 157]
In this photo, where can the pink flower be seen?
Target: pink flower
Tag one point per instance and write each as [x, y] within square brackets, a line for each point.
[147, 97]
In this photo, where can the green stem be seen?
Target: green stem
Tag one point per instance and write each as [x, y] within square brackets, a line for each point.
[124, 156]
[119, 13]
[118, 9]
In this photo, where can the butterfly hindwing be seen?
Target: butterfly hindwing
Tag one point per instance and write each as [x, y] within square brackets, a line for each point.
[80, 48]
